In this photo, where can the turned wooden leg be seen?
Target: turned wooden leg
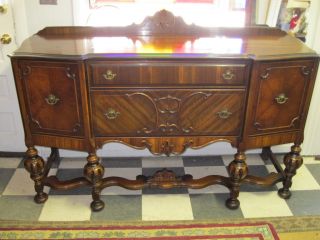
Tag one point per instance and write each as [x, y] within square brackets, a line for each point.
[238, 170]
[292, 161]
[35, 165]
[94, 171]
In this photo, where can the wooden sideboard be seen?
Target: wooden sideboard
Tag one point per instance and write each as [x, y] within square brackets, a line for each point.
[165, 86]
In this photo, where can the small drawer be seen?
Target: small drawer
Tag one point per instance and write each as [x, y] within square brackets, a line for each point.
[167, 113]
[105, 73]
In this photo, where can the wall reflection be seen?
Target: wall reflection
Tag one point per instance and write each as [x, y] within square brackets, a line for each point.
[180, 45]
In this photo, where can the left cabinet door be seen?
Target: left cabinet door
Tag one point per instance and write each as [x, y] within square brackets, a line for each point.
[52, 96]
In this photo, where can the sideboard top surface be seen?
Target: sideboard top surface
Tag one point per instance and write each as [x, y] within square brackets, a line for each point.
[163, 36]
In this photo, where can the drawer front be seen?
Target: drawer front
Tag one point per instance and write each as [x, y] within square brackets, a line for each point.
[52, 99]
[281, 94]
[167, 113]
[102, 73]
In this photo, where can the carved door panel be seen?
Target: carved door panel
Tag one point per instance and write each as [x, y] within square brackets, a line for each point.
[171, 112]
[281, 95]
[52, 97]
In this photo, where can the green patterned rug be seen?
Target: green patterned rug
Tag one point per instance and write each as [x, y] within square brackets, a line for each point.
[240, 229]
[141, 230]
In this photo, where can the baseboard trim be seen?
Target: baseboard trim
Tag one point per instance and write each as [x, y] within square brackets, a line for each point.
[12, 154]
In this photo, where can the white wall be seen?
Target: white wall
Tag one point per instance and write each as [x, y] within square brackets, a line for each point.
[311, 144]
[262, 11]
[30, 16]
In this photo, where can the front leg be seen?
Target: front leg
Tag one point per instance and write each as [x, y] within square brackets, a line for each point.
[238, 170]
[94, 171]
[35, 165]
[292, 161]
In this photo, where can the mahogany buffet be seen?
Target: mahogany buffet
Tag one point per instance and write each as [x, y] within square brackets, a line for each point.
[165, 86]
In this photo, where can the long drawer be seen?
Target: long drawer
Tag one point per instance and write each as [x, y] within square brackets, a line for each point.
[106, 73]
[167, 112]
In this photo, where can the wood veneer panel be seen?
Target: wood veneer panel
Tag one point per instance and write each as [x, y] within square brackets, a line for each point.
[146, 73]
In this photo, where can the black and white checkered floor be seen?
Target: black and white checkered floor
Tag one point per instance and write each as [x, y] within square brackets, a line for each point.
[16, 189]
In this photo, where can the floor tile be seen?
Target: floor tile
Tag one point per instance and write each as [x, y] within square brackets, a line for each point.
[251, 159]
[121, 162]
[203, 161]
[257, 170]
[10, 162]
[254, 159]
[157, 204]
[129, 173]
[310, 160]
[66, 208]
[5, 176]
[73, 163]
[304, 180]
[212, 206]
[314, 170]
[198, 172]
[21, 164]
[166, 207]
[119, 208]
[21, 183]
[56, 163]
[263, 204]
[67, 174]
[278, 156]
[19, 208]
[268, 162]
[162, 162]
[227, 159]
[304, 202]
[150, 171]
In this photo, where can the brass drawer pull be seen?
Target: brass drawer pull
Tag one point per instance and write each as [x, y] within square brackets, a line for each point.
[112, 114]
[228, 75]
[52, 99]
[281, 98]
[224, 114]
[109, 75]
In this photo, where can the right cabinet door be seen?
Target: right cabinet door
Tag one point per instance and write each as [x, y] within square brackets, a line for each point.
[280, 95]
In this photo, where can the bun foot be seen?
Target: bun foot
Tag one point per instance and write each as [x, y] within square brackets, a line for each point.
[284, 193]
[41, 197]
[232, 203]
[97, 205]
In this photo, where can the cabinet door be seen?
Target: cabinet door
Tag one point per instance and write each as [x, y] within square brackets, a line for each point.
[53, 99]
[167, 112]
[280, 96]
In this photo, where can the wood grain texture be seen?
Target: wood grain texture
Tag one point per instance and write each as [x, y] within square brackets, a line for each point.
[162, 36]
[289, 79]
[51, 93]
[161, 113]
[146, 73]
[60, 142]
[168, 145]
[251, 142]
